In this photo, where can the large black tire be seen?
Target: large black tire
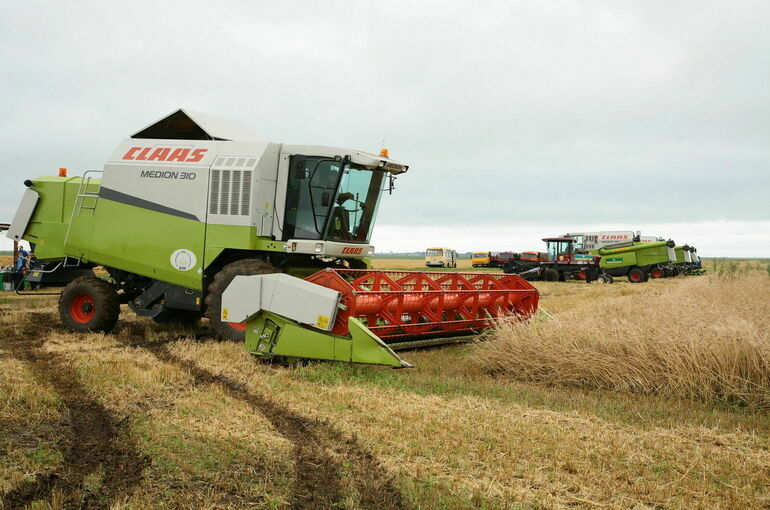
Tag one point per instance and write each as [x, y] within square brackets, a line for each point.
[637, 275]
[88, 303]
[228, 330]
[550, 275]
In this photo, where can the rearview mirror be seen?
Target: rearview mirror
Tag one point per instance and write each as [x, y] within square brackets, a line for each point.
[298, 166]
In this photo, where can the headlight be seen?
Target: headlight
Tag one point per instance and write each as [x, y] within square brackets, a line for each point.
[371, 251]
[318, 247]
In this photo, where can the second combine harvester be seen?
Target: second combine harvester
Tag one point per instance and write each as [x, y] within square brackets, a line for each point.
[194, 203]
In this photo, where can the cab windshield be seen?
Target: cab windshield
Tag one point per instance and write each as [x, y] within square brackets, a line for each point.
[556, 248]
[333, 200]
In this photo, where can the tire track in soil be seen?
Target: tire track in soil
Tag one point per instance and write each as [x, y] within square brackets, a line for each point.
[91, 438]
[318, 447]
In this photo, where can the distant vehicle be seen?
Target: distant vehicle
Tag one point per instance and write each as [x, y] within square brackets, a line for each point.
[481, 259]
[625, 253]
[498, 259]
[491, 258]
[440, 257]
[560, 262]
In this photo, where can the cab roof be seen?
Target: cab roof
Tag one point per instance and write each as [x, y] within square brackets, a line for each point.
[559, 239]
[186, 124]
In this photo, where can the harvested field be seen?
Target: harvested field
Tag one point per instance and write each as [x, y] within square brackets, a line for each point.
[151, 417]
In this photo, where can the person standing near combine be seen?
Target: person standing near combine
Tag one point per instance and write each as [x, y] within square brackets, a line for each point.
[22, 264]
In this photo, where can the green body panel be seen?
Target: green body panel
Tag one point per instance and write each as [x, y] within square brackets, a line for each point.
[269, 335]
[48, 226]
[127, 237]
[679, 250]
[639, 254]
[223, 237]
[139, 241]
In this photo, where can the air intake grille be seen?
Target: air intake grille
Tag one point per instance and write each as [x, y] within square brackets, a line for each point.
[230, 192]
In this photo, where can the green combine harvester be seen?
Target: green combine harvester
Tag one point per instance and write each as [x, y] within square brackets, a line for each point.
[192, 202]
[687, 262]
[624, 253]
[636, 260]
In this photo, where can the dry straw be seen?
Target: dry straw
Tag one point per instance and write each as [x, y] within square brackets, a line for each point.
[704, 338]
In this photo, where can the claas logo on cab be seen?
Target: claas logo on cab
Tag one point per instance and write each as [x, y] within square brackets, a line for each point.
[167, 154]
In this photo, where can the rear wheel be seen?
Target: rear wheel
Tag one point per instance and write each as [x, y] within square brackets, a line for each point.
[550, 275]
[637, 275]
[231, 330]
[89, 303]
[657, 273]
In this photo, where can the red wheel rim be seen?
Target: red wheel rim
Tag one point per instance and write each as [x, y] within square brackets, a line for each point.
[635, 276]
[237, 326]
[82, 308]
[657, 273]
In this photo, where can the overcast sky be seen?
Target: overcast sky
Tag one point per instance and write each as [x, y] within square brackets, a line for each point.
[518, 119]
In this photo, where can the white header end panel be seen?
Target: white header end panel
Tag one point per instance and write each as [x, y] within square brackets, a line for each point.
[23, 215]
[288, 296]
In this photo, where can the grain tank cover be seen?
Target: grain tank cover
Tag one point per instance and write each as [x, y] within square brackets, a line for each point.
[189, 125]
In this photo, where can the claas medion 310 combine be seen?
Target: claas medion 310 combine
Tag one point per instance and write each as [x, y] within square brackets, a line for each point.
[196, 216]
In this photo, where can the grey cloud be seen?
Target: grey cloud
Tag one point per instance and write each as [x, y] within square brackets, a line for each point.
[506, 111]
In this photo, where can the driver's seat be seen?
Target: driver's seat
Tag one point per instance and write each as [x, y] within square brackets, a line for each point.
[341, 215]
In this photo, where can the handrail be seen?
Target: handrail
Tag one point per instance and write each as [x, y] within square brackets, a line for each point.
[80, 196]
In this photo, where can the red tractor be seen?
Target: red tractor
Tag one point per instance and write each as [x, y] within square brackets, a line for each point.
[560, 262]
